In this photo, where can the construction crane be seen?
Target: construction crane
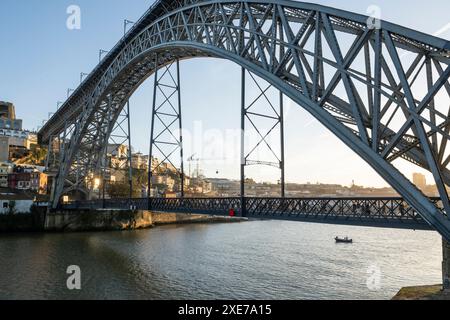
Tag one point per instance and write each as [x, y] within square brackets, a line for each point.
[192, 159]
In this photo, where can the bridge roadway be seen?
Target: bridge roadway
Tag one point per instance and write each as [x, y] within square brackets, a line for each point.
[371, 212]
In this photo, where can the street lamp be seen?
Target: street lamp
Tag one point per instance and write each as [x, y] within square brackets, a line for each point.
[100, 54]
[125, 24]
[97, 183]
[69, 91]
[83, 74]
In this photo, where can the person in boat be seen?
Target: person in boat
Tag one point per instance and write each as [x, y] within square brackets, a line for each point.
[346, 239]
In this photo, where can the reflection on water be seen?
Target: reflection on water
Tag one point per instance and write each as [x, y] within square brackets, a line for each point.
[254, 260]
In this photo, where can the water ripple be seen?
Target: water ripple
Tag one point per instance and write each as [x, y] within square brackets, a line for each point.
[255, 260]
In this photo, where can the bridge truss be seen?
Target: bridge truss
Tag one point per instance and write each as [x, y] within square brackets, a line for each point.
[379, 212]
[361, 81]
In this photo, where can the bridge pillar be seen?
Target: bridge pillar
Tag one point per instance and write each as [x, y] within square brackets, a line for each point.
[261, 107]
[165, 141]
[446, 265]
[53, 189]
[243, 159]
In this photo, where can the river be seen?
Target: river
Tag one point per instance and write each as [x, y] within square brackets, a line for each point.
[251, 260]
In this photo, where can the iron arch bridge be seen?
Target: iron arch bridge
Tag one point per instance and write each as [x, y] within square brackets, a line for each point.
[358, 76]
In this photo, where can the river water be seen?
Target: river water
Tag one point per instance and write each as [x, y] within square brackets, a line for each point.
[251, 260]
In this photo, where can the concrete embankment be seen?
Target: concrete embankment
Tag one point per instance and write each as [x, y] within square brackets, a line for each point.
[104, 220]
[97, 220]
[434, 292]
[32, 222]
[162, 218]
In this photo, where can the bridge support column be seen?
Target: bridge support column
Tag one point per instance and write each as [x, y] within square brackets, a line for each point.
[130, 154]
[52, 190]
[243, 159]
[446, 265]
[119, 143]
[152, 134]
[282, 160]
[265, 118]
[166, 121]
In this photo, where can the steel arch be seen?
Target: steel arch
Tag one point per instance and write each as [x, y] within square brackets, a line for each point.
[270, 38]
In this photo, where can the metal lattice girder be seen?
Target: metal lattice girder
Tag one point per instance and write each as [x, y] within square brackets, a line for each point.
[373, 212]
[391, 212]
[113, 160]
[264, 117]
[166, 144]
[359, 82]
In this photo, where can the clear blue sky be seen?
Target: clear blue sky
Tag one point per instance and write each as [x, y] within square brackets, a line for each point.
[40, 58]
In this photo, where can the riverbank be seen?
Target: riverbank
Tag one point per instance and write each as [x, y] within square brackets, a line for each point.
[162, 218]
[101, 220]
[32, 222]
[422, 293]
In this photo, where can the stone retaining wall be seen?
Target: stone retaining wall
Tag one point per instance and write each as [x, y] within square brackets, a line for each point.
[98, 220]
[446, 265]
[103, 220]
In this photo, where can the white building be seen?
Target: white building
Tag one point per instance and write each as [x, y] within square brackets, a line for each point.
[22, 205]
[118, 150]
[5, 170]
[139, 161]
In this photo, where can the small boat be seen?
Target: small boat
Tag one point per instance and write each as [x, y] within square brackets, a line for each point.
[343, 240]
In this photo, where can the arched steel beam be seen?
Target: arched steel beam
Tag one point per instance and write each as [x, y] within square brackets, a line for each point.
[162, 8]
[397, 180]
[245, 32]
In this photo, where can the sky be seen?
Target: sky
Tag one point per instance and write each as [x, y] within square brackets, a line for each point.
[40, 58]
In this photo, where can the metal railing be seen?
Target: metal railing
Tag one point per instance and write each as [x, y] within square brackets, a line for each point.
[383, 212]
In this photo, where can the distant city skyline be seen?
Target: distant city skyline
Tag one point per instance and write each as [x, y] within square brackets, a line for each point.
[52, 60]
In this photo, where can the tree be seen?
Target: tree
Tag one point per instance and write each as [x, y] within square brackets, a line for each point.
[35, 157]
[12, 207]
[121, 189]
[118, 189]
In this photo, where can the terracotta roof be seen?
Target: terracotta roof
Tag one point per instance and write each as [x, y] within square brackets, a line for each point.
[15, 197]
[12, 194]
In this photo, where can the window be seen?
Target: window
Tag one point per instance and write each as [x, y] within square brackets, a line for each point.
[5, 205]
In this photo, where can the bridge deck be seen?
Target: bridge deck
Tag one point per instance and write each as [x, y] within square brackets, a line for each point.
[373, 212]
[245, 32]
[69, 111]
